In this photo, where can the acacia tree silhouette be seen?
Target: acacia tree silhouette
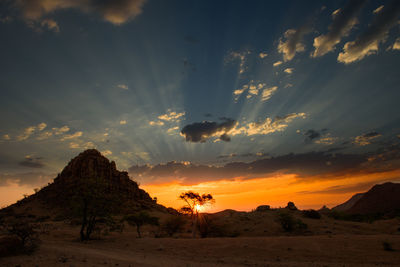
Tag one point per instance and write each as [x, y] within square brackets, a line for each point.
[94, 202]
[193, 201]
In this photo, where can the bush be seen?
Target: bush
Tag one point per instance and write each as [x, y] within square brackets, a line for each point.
[387, 246]
[312, 214]
[22, 237]
[289, 223]
[173, 224]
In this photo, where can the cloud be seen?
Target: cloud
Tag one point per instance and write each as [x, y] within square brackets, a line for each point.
[116, 12]
[62, 130]
[50, 24]
[365, 139]
[253, 89]
[71, 136]
[241, 56]
[344, 20]
[304, 166]
[276, 64]
[321, 137]
[262, 55]
[122, 122]
[201, 131]
[27, 133]
[171, 116]
[106, 153]
[268, 92]
[368, 42]
[42, 126]
[293, 42]
[31, 162]
[289, 70]
[6, 137]
[172, 130]
[396, 45]
[26, 178]
[123, 86]
[153, 123]
[81, 145]
[45, 135]
[267, 126]
[377, 10]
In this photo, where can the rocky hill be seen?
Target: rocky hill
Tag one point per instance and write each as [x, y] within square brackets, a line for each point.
[380, 199]
[349, 203]
[90, 164]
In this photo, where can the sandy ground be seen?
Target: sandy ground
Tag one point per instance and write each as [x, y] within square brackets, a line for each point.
[126, 250]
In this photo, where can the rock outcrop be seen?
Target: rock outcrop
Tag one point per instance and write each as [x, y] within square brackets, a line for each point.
[90, 164]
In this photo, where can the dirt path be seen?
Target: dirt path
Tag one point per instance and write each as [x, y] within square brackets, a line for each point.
[124, 250]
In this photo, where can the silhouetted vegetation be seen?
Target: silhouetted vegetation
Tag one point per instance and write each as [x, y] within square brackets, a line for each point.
[312, 214]
[22, 237]
[289, 223]
[387, 246]
[193, 201]
[139, 219]
[209, 227]
[338, 215]
[93, 203]
[173, 224]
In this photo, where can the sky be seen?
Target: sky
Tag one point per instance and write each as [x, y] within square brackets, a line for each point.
[255, 102]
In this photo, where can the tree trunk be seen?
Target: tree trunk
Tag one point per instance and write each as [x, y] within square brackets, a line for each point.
[138, 231]
[84, 221]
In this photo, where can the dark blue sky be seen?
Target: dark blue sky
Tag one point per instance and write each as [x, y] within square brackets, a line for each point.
[248, 79]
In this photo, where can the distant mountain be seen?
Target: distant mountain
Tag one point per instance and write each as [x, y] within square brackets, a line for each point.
[382, 198]
[349, 203]
[91, 164]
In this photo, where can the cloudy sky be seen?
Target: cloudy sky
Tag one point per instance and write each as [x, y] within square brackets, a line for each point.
[256, 102]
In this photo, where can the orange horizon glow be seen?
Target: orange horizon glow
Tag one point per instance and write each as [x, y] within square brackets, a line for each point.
[246, 195]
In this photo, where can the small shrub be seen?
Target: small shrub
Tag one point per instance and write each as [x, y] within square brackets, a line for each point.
[387, 246]
[173, 224]
[312, 214]
[24, 231]
[289, 223]
[10, 246]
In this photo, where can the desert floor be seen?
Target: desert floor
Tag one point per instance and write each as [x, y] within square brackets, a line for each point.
[62, 249]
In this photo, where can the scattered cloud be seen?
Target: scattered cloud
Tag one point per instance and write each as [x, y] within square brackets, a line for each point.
[31, 162]
[289, 70]
[106, 153]
[268, 92]
[326, 140]
[173, 130]
[241, 56]
[202, 131]
[293, 42]
[344, 20]
[26, 178]
[396, 45]
[81, 145]
[153, 123]
[122, 122]
[276, 64]
[266, 126]
[27, 133]
[49, 24]
[42, 126]
[62, 130]
[262, 55]
[377, 10]
[171, 116]
[365, 139]
[71, 136]
[36, 13]
[321, 137]
[254, 88]
[123, 86]
[6, 137]
[368, 42]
